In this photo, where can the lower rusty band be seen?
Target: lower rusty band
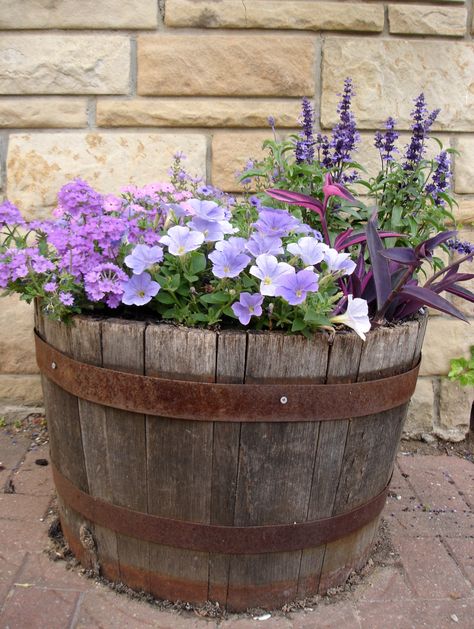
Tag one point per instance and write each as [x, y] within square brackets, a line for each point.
[213, 538]
[223, 402]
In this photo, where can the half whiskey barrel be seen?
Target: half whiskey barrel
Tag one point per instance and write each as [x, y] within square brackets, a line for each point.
[240, 467]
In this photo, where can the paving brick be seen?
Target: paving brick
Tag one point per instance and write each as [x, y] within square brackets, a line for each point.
[385, 584]
[275, 622]
[20, 536]
[418, 557]
[416, 614]
[12, 451]
[462, 473]
[414, 522]
[431, 479]
[38, 608]
[8, 570]
[122, 612]
[22, 507]
[462, 550]
[39, 570]
[32, 479]
[325, 616]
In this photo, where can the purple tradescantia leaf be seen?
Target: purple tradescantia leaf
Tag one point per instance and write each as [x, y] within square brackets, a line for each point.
[460, 291]
[450, 279]
[296, 198]
[380, 266]
[425, 249]
[400, 255]
[357, 239]
[425, 297]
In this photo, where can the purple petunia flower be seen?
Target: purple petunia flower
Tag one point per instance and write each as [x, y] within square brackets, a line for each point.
[248, 306]
[339, 262]
[228, 263]
[212, 230]
[139, 290]
[143, 258]
[295, 286]
[273, 222]
[258, 243]
[208, 210]
[310, 250]
[270, 272]
[181, 240]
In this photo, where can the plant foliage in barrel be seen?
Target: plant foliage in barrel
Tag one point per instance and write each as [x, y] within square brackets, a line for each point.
[226, 380]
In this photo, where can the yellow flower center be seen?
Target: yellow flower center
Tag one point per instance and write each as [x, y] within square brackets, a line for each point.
[267, 280]
[181, 250]
[141, 293]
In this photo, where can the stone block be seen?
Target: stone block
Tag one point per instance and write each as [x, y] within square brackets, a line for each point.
[43, 112]
[464, 213]
[226, 65]
[427, 20]
[464, 176]
[21, 390]
[230, 154]
[197, 112]
[446, 338]
[38, 165]
[389, 73]
[16, 339]
[36, 14]
[454, 410]
[295, 15]
[420, 412]
[64, 64]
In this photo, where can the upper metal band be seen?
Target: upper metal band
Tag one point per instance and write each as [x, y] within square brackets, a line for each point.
[203, 401]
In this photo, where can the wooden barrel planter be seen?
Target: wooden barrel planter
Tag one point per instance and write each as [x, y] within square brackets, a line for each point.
[245, 468]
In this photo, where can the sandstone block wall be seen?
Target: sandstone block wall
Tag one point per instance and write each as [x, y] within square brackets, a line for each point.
[109, 90]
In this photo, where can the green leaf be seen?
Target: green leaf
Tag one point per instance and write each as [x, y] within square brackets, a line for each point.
[315, 318]
[198, 263]
[164, 298]
[298, 325]
[214, 298]
[191, 278]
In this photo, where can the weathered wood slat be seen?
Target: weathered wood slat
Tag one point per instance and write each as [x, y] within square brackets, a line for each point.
[65, 435]
[343, 366]
[86, 345]
[273, 483]
[122, 349]
[230, 368]
[370, 449]
[179, 461]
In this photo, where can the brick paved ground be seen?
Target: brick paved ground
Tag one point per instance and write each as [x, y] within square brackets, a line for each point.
[430, 584]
